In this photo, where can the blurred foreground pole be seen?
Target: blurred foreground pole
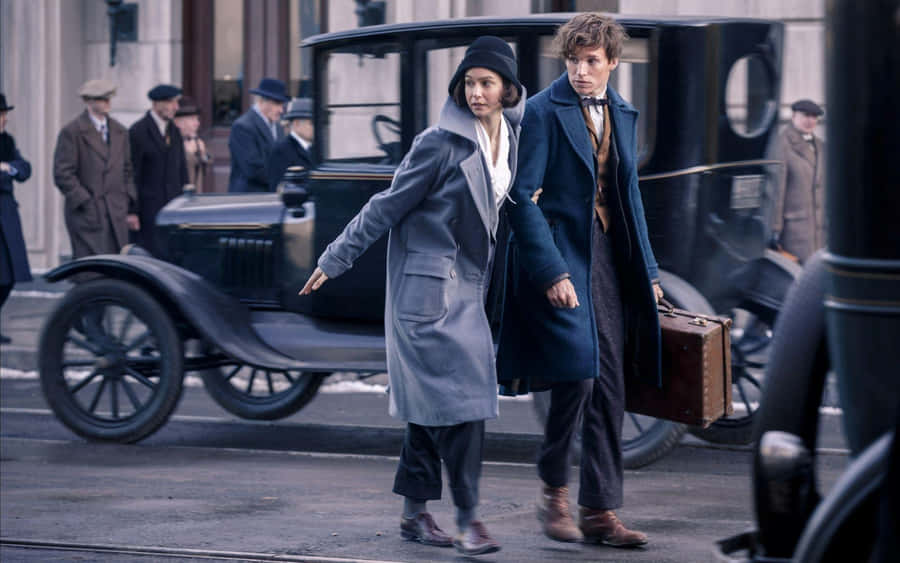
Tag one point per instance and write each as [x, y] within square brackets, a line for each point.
[863, 208]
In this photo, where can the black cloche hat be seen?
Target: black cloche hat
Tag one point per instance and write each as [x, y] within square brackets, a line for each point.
[491, 53]
[3, 106]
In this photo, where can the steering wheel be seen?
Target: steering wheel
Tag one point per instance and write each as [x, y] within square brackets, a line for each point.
[383, 125]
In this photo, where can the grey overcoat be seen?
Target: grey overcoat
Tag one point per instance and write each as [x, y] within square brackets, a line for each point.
[442, 219]
[799, 198]
[96, 179]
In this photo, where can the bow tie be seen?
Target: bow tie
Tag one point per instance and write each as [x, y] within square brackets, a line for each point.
[597, 102]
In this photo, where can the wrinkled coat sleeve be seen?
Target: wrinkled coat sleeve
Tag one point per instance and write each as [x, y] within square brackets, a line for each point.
[65, 168]
[537, 253]
[414, 178]
[640, 218]
[246, 154]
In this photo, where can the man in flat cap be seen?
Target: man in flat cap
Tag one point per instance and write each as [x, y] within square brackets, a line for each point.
[253, 135]
[798, 218]
[160, 167]
[92, 168]
[294, 148]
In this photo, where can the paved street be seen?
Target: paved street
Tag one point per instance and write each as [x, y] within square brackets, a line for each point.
[315, 486]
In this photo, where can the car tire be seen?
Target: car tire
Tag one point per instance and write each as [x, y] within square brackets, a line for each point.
[260, 394]
[128, 344]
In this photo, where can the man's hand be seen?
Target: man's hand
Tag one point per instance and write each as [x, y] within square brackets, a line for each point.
[134, 224]
[562, 295]
[314, 282]
[657, 292]
[4, 167]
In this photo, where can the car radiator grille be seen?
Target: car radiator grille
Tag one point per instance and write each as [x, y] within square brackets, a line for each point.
[246, 262]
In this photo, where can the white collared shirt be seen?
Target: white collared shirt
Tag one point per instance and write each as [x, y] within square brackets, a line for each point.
[499, 173]
[160, 123]
[99, 124]
[596, 113]
[303, 142]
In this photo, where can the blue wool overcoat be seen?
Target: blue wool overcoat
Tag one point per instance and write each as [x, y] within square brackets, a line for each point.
[553, 237]
[250, 143]
[16, 269]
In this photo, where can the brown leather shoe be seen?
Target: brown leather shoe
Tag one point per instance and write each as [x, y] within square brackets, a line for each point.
[475, 540]
[553, 512]
[602, 526]
[423, 529]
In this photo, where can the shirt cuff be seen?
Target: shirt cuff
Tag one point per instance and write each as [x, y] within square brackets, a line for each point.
[556, 280]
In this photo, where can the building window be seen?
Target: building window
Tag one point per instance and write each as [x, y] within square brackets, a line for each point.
[304, 23]
[228, 60]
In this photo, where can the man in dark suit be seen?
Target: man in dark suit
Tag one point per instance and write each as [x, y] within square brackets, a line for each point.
[582, 314]
[92, 169]
[157, 153]
[13, 255]
[293, 149]
[252, 136]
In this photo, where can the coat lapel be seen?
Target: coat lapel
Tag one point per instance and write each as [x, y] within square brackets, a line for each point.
[623, 118]
[92, 136]
[801, 146]
[153, 132]
[572, 120]
[262, 127]
[460, 122]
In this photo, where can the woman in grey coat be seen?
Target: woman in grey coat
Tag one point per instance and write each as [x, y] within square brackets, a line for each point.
[442, 211]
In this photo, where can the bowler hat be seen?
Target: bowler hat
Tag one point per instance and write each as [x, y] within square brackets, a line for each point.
[163, 92]
[271, 88]
[97, 89]
[807, 106]
[299, 108]
[3, 106]
[491, 53]
[187, 106]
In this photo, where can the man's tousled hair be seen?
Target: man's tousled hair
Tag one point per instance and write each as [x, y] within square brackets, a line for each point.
[590, 30]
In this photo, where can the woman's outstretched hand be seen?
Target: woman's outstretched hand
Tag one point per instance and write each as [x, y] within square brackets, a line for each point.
[314, 282]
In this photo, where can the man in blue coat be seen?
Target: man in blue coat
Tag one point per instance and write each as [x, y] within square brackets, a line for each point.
[580, 311]
[13, 255]
[160, 165]
[294, 148]
[253, 135]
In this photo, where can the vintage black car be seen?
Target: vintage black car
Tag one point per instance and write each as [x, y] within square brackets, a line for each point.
[222, 299]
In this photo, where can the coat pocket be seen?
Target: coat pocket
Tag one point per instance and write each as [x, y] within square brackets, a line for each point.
[86, 215]
[423, 291]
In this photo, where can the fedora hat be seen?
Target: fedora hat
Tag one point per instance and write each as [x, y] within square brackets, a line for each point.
[271, 88]
[3, 106]
[299, 108]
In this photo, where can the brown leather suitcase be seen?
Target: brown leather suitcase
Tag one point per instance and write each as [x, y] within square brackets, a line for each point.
[696, 367]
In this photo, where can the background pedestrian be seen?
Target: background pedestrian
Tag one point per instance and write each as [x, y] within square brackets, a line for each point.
[584, 272]
[92, 169]
[294, 148]
[442, 211]
[798, 217]
[157, 153]
[187, 119]
[13, 256]
[252, 136]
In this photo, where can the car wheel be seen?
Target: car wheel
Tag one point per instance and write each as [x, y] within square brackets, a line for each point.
[110, 362]
[261, 394]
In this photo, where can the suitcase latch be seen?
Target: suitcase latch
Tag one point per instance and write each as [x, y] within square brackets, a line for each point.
[699, 321]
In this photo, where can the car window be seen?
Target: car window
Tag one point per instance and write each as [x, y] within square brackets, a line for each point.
[361, 102]
[631, 80]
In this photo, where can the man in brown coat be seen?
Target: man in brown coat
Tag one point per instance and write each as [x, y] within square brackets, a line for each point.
[92, 168]
[798, 220]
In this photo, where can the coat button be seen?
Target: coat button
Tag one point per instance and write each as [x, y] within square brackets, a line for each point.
[452, 274]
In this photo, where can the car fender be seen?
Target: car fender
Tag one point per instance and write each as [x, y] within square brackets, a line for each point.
[216, 316]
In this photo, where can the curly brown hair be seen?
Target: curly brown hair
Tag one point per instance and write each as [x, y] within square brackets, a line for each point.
[509, 99]
[590, 30]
